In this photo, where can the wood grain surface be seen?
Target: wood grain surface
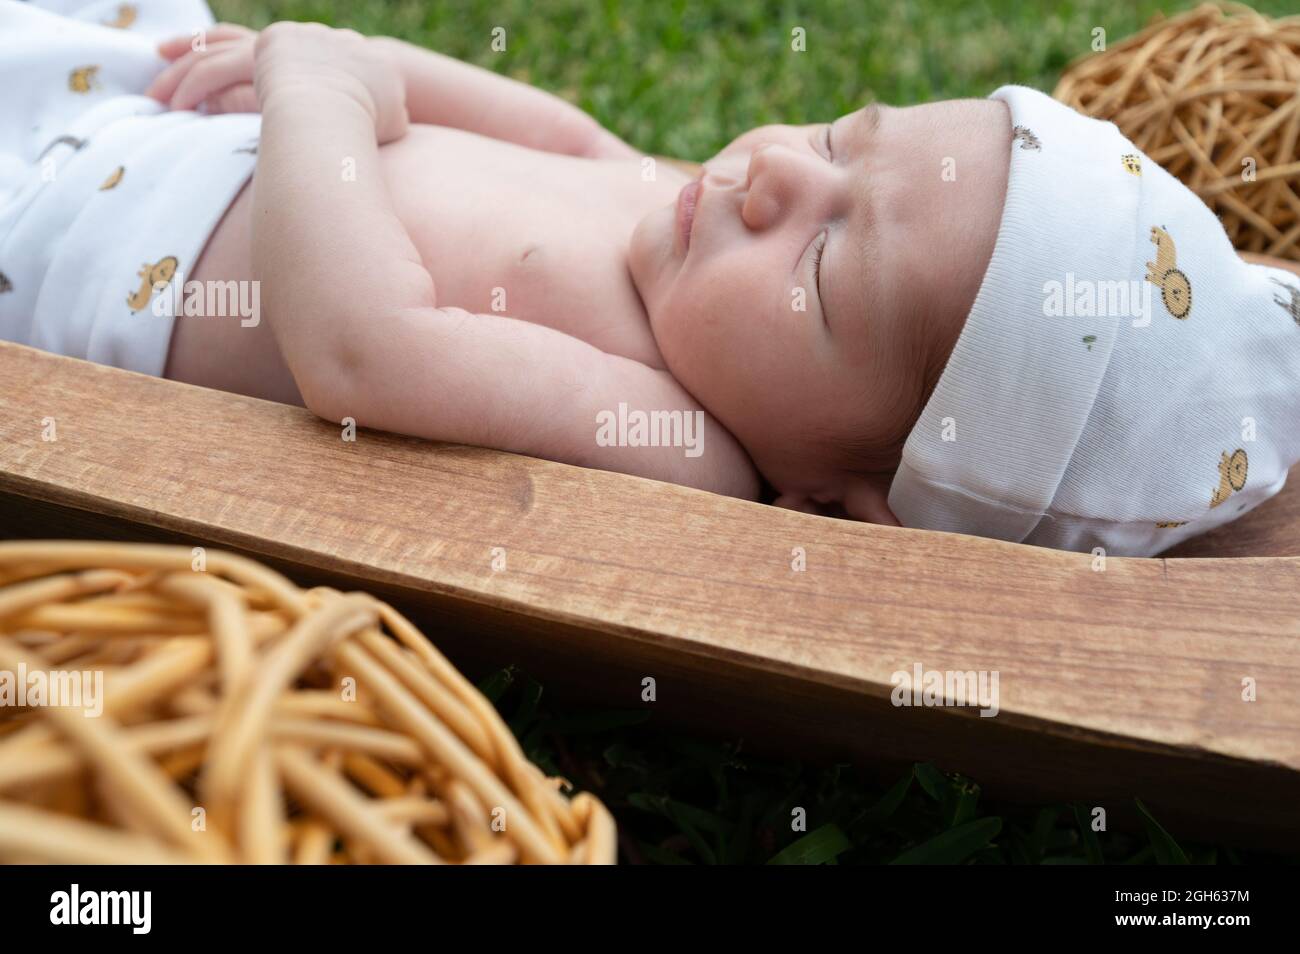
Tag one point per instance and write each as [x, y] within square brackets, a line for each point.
[1123, 682]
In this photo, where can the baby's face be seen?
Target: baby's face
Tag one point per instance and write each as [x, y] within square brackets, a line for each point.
[825, 275]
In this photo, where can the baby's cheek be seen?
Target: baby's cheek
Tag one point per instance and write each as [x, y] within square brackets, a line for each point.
[694, 333]
[742, 276]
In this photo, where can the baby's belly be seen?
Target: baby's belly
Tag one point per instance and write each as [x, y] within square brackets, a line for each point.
[506, 230]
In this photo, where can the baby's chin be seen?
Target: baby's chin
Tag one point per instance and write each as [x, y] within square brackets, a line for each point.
[652, 258]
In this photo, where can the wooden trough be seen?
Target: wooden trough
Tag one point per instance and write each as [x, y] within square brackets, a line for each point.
[1117, 683]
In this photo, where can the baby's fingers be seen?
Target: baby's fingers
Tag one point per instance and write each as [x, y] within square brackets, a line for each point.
[233, 99]
[178, 46]
[212, 74]
[164, 84]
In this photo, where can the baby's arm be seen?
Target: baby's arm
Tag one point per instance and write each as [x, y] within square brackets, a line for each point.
[355, 312]
[450, 375]
[440, 91]
[443, 91]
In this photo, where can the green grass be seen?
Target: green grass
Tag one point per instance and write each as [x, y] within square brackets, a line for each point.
[679, 799]
[684, 79]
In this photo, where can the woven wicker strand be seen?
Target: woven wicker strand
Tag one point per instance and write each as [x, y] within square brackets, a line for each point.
[1200, 94]
[223, 691]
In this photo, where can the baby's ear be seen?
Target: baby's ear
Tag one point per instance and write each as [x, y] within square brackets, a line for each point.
[866, 498]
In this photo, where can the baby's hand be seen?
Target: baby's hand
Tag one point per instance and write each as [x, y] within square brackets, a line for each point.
[219, 76]
[293, 59]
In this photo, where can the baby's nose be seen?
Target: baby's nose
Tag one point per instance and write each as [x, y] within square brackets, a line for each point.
[780, 180]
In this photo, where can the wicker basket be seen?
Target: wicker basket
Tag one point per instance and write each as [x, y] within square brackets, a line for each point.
[245, 720]
[1214, 97]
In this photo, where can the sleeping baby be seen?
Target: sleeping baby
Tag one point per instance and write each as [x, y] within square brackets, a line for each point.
[982, 316]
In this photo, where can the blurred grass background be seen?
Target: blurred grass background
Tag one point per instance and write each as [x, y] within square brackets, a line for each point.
[687, 798]
[683, 79]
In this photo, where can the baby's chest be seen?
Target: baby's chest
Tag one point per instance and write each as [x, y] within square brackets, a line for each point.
[504, 233]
